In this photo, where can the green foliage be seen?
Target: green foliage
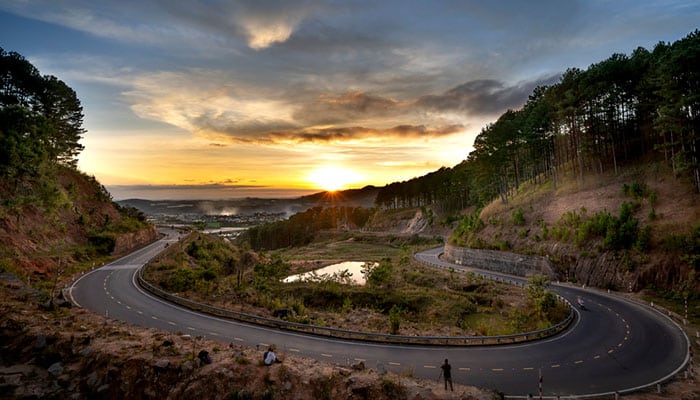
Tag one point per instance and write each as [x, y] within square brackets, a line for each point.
[470, 224]
[103, 242]
[543, 300]
[617, 233]
[181, 280]
[643, 239]
[274, 269]
[687, 246]
[626, 108]
[83, 219]
[518, 217]
[347, 306]
[380, 274]
[402, 293]
[40, 119]
[636, 190]
[208, 274]
[301, 228]
[622, 232]
[395, 319]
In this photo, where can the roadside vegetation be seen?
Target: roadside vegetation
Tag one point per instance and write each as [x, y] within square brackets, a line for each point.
[401, 296]
[54, 219]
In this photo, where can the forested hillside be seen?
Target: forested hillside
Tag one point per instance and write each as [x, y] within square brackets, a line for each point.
[52, 217]
[620, 111]
[599, 173]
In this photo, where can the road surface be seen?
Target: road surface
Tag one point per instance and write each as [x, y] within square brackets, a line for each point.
[615, 345]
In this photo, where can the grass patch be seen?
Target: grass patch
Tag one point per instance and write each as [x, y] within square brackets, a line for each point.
[402, 296]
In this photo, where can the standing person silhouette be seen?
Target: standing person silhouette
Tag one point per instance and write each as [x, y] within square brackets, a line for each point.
[447, 373]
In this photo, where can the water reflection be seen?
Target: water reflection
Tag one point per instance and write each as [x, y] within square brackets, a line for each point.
[349, 272]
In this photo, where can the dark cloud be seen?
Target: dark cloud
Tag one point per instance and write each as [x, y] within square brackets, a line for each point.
[231, 124]
[483, 96]
[357, 133]
[352, 106]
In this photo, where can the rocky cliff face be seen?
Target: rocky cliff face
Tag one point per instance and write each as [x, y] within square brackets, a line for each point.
[127, 242]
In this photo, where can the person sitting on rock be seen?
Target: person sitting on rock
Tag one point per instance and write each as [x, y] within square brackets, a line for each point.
[270, 357]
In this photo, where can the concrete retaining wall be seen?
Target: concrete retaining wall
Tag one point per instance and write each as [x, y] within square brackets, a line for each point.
[499, 261]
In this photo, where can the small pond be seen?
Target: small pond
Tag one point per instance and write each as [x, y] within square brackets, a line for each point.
[354, 273]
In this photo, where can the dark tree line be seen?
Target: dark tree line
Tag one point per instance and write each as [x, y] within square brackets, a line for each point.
[301, 228]
[619, 111]
[40, 119]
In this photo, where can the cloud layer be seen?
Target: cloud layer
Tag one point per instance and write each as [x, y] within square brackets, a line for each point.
[266, 90]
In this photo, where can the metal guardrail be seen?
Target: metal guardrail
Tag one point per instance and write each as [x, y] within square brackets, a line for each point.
[358, 335]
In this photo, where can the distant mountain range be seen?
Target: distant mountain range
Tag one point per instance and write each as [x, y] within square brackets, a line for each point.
[364, 197]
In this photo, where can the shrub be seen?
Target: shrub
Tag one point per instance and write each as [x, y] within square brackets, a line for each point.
[643, 239]
[103, 242]
[470, 223]
[395, 319]
[208, 274]
[518, 217]
[183, 279]
[379, 275]
[636, 190]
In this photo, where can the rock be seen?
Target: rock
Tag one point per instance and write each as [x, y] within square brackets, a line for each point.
[11, 325]
[163, 363]
[56, 369]
[92, 380]
[187, 366]
[62, 303]
[40, 342]
[64, 380]
[85, 351]
[362, 392]
[359, 366]
[12, 380]
[381, 369]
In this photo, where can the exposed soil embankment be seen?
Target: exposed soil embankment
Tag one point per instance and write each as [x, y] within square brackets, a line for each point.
[555, 222]
[76, 222]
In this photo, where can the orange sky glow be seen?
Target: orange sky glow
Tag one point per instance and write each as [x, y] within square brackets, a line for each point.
[231, 99]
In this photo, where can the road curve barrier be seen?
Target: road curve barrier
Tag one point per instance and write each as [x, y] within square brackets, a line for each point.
[359, 335]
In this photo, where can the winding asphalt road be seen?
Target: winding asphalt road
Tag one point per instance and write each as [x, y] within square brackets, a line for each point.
[616, 345]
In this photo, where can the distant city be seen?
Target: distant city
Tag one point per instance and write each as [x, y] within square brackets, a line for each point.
[229, 217]
[224, 217]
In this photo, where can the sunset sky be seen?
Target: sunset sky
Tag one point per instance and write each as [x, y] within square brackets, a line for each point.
[222, 99]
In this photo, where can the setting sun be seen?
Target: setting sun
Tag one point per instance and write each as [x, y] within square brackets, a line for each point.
[332, 178]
